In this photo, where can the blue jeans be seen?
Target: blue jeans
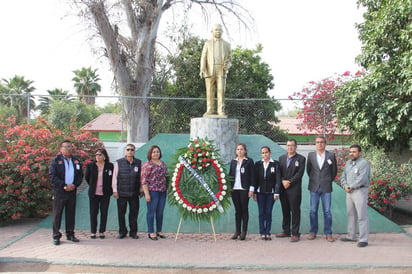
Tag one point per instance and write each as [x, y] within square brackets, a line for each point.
[265, 205]
[156, 207]
[327, 214]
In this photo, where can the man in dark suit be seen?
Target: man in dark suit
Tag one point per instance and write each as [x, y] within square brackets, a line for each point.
[66, 175]
[292, 168]
[322, 169]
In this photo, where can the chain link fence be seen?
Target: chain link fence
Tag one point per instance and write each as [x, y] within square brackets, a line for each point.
[169, 115]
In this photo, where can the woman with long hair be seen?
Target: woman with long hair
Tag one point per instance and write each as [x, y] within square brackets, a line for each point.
[241, 169]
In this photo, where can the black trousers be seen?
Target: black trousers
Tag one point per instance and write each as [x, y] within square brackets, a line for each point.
[240, 200]
[290, 200]
[133, 212]
[98, 203]
[66, 202]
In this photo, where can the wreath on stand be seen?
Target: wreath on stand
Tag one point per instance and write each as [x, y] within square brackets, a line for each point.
[200, 183]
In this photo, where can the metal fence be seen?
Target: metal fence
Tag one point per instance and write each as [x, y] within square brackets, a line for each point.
[172, 115]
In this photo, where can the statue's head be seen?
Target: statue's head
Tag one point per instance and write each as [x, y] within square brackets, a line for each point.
[217, 31]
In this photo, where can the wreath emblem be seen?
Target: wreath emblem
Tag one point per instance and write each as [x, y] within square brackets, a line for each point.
[199, 186]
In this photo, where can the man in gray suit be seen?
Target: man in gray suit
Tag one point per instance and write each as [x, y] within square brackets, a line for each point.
[322, 169]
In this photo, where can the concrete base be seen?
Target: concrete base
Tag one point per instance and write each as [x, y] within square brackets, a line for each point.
[224, 133]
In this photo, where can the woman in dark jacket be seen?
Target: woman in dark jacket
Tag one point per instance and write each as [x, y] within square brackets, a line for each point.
[266, 187]
[99, 177]
[241, 169]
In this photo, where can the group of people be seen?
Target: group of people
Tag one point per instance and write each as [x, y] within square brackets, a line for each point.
[127, 180]
[265, 181]
[269, 180]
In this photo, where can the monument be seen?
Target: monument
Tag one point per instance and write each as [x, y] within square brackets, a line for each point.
[214, 66]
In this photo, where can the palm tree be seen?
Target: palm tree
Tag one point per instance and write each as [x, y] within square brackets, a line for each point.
[16, 92]
[56, 94]
[85, 84]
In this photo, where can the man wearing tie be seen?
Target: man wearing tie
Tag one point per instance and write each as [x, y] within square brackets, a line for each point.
[214, 65]
[322, 169]
[292, 168]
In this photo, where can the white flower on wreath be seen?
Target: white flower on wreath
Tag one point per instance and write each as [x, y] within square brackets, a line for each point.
[176, 195]
[177, 165]
[199, 210]
[223, 193]
[194, 209]
[205, 209]
[221, 198]
[199, 167]
[181, 201]
[211, 208]
[223, 181]
[214, 206]
[189, 208]
[222, 175]
[177, 198]
[184, 205]
[224, 187]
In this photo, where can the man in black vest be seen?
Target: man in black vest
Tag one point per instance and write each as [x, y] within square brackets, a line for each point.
[126, 189]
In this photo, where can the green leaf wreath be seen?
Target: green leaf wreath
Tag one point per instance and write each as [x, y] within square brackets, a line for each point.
[187, 193]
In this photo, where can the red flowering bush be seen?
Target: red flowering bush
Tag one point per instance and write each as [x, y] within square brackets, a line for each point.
[25, 154]
[389, 182]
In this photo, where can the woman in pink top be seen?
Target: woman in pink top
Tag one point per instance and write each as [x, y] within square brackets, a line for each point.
[99, 177]
[154, 183]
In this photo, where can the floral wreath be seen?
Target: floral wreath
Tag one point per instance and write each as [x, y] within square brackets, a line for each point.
[186, 190]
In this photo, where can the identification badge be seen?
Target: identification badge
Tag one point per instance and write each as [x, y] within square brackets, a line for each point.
[296, 164]
[356, 170]
[110, 173]
[136, 169]
[329, 162]
[78, 166]
[272, 169]
[242, 170]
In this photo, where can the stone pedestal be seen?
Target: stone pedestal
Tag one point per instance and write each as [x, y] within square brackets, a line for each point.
[223, 132]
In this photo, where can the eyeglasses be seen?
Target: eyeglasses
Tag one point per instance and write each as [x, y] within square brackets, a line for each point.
[99, 154]
[129, 149]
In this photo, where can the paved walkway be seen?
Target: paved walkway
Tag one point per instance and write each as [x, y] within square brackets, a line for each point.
[27, 247]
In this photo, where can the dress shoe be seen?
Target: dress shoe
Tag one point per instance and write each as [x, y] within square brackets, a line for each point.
[312, 236]
[121, 236]
[347, 240]
[93, 236]
[294, 239]
[263, 237]
[329, 238]
[161, 236]
[56, 242]
[243, 236]
[134, 236]
[153, 238]
[235, 236]
[268, 238]
[73, 239]
[282, 235]
[101, 235]
[362, 244]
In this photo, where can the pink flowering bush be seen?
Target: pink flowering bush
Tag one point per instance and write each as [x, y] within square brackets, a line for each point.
[25, 154]
[316, 103]
[389, 182]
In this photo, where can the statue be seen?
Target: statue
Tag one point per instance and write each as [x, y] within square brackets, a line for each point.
[214, 65]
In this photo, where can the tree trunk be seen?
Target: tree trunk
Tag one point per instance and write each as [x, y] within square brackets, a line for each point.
[132, 69]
